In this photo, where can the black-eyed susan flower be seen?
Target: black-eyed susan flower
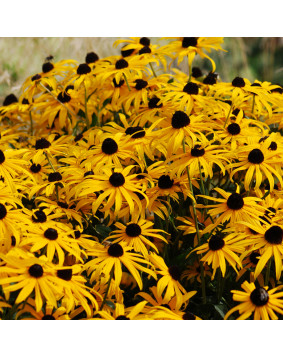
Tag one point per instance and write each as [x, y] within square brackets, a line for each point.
[233, 207]
[260, 302]
[119, 186]
[56, 237]
[220, 249]
[169, 281]
[112, 257]
[30, 274]
[27, 311]
[137, 234]
[200, 159]
[74, 288]
[121, 313]
[258, 160]
[268, 241]
[190, 46]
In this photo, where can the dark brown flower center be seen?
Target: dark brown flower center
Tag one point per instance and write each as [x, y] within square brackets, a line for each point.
[65, 274]
[216, 242]
[42, 144]
[211, 78]
[196, 72]
[39, 216]
[191, 88]
[2, 157]
[256, 156]
[10, 99]
[153, 103]
[140, 84]
[109, 146]
[51, 234]
[36, 271]
[234, 129]
[180, 120]
[197, 151]
[121, 64]
[83, 68]
[122, 317]
[274, 235]
[133, 230]
[235, 201]
[3, 211]
[35, 168]
[259, 297]
[48, 317]
[47, 67]
[189, 41]
[135, 131]
[117, 179]
[91, 57]
[115, 250]
[164, 182]
[238, 82]
[64, 97]
[54, 176]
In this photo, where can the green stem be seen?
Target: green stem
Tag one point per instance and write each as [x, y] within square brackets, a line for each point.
[107, 289]
[151, 66]
[54, 96]
[197, 229]
[127, 82]
[49, 161]
[228, 116]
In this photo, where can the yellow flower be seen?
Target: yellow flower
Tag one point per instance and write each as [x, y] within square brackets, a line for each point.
[260, 302]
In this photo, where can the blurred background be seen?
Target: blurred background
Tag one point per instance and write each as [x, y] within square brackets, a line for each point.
[250, 57]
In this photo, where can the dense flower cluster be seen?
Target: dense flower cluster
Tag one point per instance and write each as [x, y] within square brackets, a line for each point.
[130, 189]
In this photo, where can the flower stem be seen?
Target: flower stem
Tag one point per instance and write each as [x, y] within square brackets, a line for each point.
[228, 116]
[107, 289]
[153, 71]
[127, 82]
[197, 229]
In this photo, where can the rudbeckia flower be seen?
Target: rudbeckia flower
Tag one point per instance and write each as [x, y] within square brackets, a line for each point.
[269, 242]
[260, 302]
[28, 275]
[190, 46]
[200, 159]
[169, 281]
[219, 249]
[157, 300]
[75, 290]
[233, 207]
[118, 186]
[137, 234]
[111, 258]
[123, 68]
[261, 159]
[48, 312]
[121, 313]
[55, 236]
